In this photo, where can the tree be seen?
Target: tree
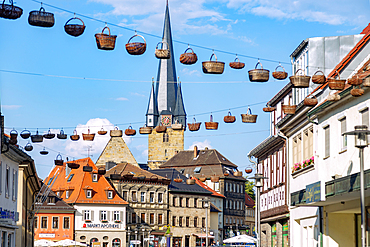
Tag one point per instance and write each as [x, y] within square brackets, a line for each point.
[249, 189]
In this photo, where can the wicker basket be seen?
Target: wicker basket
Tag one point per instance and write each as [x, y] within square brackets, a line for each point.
[259, 75]
[300, 81]
[333, 97]
[318, 79]
[145, 130]
[130, 131]
[75, 136]
[336, 84]
[356, 92]
[74, 30]
[279, 75]
[102, 131]
[366, 82]
[105, 41]
[213, 67]
[177, 180]
[13, 134]
[236, 64]
[44, 152]
[102, 171]
[194, 126]
[41, 18]
[177, 126]
[289, 109]
[162, 53]
[202, 178]
[28, 147]
[153, 178]
[248, 170]
[88, 136]
[215, 179]
[190, 181]
[10, 11]
[58, 160]
[116, 132]
[355, 81]
[211, 125]
[61, 135]
[115, 176]
[238, 174]
[25, 134]
[249, 117]
[37, 137]
[188, 58]
[87, 168]
[49, 135]
[269, 109]
[160, 128]
[310, 101]
[136, 48]
[229, 118]
[73, 165]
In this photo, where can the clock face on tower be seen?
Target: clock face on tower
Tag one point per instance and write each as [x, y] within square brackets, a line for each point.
[166, 120]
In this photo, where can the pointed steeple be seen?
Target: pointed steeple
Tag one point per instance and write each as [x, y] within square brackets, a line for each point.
[166, 85]
[179, 112]
[152, 111]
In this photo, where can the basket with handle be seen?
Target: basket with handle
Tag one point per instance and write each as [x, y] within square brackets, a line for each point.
[9, 11]
[102, 170]
[300, 81]
[355, 81]
[160, 128]
[145, 130]
[162, 53]
[215, 178]
[236, 64]
[136, 48]
[310, 101]
[74, 30]
[58, 160]
[238, 173]
[259, 75]
[25, 134]
[28, 147]
[333, 97]
[41, 18]
[229, 118]
[211, 125]
[249, 117]
[268, 108]
[75, 136]
[62, 135]
[177, 125]
[356, 92]
[49, 135]
[279, 75]
[318, 79]
[130, 131]
[37, 137]
[366, 82]
[194, 126]
[88, 136]
[116, 132]
[188, 58]
[13, 134]
[190, 181]
[336, 84]
[289, 109]
[105, 41]
[213, 67]
[102, 131]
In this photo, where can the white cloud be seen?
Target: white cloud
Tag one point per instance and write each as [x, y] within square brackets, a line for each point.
[201, 145]
[145, 153]
[138, 94]
[122, 99]
[186, 71]
[11, 107]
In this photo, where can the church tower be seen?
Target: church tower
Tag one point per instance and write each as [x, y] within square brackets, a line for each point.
[166, 107]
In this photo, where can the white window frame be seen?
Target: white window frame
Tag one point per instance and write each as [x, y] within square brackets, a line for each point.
[103, 215]
[151, 197]
[69, 222]
[67, 194]
[52, 222]
[110, 194]
[142, 197]
[217, 186]
[88, 194]
[87, 215]
[95, 177]
[343, 128]
[116, 216]
[7, 182]
[160, 201]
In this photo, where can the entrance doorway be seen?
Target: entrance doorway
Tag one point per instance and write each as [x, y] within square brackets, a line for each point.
[187, 241]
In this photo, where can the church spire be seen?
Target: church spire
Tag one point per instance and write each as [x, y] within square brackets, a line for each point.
[179, 112]
[152, 111]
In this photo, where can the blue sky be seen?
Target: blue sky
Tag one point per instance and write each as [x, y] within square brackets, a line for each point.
[118, 93]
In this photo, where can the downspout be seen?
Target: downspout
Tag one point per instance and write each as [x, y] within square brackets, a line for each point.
[25, 224]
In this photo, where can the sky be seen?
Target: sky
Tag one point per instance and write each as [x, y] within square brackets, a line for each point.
[50, 80]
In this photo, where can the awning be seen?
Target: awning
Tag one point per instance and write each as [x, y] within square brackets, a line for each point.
[158, 233]
[275, 218]
[203, 235]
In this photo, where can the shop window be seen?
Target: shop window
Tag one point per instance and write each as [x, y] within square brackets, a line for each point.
[55, 222]
[44, 222]
[66, 222]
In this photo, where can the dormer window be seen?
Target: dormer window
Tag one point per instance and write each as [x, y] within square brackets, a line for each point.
[95, 177]
[67, 194]
[88, 193]
[70, 177]
[197, 169]
[110, 194]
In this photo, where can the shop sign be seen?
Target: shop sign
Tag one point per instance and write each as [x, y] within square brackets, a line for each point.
[46, 235]
[101, 226]
[7, 214]
[313, 192]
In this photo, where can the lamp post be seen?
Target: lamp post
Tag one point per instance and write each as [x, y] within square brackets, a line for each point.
[258, 177]
[206, 205]
[361, 141]
[143, 235]
[135, 234]
[129, 233]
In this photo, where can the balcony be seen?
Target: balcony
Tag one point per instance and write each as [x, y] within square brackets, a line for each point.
[346, 184]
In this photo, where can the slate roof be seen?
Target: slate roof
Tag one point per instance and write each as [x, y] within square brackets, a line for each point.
[214, 208]
[249, 202]
[171, 174]
[124, 168]
[58, 204]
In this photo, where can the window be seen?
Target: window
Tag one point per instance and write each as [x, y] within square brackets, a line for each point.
[88, 193]
[203, 222]
[343, 128]
[187, 220]
[142, 198]
[103, 215]
[87, 215]
[237, 188]
[124, 194]
[327, 141]
[195, 221]
[165, 137]
[217, 186]
[180, 202]
[230, 187]
[174, 220]
[44, 222]
[227, 220]
[133, 196]
[133, 217]
[67, 194]
[143, 218]
[151, 195]
[365, 117]
[187, 202]
[70, 177]
[227, 186]
[116, 216]
[95, 177]
[55, 222]
[195, 202]
[234, 205]
[308, 143]
[173, 201]
[110, 194]
[160, 219]
[226, 203]
[7, 182]
[35, 221]
[297, 149]
[66, 222]
[50, 180]
[160, 197]
[197, 169]
[151, 219]
[180, 221]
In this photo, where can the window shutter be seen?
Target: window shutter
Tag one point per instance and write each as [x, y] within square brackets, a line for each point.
[92, 215]
[310, 142]
[327, 141]
[121, 216]
[365, 117]
[83, 214]
[100, 216]
[108, 215]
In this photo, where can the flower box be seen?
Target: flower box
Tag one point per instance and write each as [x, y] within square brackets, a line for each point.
[303, 164]
[104, 221]
[117, 221]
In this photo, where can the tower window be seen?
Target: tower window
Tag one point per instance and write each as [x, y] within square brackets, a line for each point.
[165, 137]
[165, 152]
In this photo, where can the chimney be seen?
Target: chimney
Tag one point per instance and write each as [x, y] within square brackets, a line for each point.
[195, 151]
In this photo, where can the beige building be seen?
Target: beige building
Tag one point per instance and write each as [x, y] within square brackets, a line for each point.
[249, 215]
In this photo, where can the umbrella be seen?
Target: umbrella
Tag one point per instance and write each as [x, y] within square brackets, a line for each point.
[43, 242]
[69, 242]
[241, 239]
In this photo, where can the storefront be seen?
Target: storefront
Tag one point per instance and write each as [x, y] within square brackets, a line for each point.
[7, 227]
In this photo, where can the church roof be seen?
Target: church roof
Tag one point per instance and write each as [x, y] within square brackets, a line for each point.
[152, 105]
[179, 106]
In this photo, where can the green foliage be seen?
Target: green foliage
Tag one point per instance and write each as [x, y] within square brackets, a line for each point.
[249, 189]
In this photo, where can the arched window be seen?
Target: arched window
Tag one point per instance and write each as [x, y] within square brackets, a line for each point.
[165, 137]
[116, 242]
[93, 240]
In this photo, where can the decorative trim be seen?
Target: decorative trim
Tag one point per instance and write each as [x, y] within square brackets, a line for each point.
[303, 170]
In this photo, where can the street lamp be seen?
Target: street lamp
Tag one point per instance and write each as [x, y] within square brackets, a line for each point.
[258, 177]
[206, 205]
[135, 233]
[361, 142]
[143, 235]
[129, 233]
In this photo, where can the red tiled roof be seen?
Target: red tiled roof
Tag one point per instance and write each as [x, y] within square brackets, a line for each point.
[214, 193]
[249, 201]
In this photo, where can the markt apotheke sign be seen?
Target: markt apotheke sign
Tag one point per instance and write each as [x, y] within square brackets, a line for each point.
[101, 226]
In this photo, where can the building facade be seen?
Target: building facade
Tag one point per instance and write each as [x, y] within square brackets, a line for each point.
[249, 215]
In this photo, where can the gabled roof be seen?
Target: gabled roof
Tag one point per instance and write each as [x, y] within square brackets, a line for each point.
[249, 202]
[58, 203]
[82, 180]
[124, 168]
[214, 208]
[203, 185]
[266, 145]
[180, 187]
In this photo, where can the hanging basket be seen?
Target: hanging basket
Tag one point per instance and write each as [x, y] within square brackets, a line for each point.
[202, 178]
[213, 67]
[177, 126]
[318, 79]
[289, 109]
[130, 131]
[75, 137]
[115, 176]
[145, 130]
[333, 97]
[336, 84]
[102, 131]
[229, 118]
[300, 81]
[128, 176]
[58, 160]
[25, 134]
[160, 128]
[366, 82]
[141, 177]
[238, 174]
[248, 170]
[190, 181]
[10, 11]
[153, 178]
[87, 168]
[177, 180]
[188, 58]
[269, 109]
[355, 81]
[259, 75]
[310, 101]
[215, 179]
[44, 152]
[28, 147]
[249, 117]
[226, 174]
[194, 126]
[13, 141]
[74, 30]
[102, 171]
[136, 48]
[162, 53]
[105, 41]
[116, 132]
[73, 165]
[357, 92]
[13, 134]
[62, 135]
[236, 64]
[41, 18]
[49, 135]
[211, 125]
[88, 136]
[37, 137]
[279, 75]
